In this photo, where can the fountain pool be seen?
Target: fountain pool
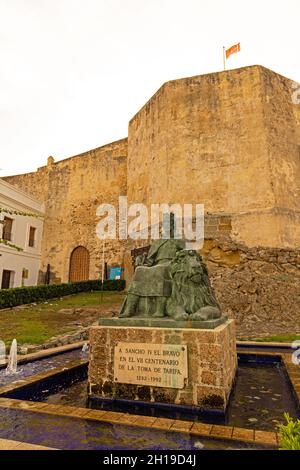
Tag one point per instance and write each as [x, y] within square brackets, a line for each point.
[261, 395]
[259, 399]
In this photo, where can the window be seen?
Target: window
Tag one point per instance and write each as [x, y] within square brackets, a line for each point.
[7, 229]
[31, 240]
[25, 273]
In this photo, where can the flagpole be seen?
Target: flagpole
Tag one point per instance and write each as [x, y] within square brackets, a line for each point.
[102, 276]
[224, 58]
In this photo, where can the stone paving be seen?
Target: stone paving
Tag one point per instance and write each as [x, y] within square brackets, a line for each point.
[6, 444]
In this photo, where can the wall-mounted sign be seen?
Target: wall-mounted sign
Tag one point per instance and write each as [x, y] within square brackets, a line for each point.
[115, 273]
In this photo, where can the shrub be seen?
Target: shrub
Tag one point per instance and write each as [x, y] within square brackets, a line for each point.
[290, 434]
[27, 295]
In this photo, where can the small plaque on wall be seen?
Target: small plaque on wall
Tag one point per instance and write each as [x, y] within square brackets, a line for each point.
[156, 365]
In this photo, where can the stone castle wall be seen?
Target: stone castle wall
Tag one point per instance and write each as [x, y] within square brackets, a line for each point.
[35, 183]
[258, 287]
[229, 140]
[72, 189]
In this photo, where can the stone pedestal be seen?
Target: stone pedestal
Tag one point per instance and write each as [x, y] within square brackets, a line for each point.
[179, 366]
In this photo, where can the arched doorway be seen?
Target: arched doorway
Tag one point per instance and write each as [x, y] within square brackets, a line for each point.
[79, 264]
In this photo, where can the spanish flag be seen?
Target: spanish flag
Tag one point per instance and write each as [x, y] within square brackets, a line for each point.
[233, 50]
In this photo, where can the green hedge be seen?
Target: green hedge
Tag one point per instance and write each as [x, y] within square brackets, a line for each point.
[27, 295]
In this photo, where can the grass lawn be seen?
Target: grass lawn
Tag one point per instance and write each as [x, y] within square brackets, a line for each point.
[281, 338]
[36, 324]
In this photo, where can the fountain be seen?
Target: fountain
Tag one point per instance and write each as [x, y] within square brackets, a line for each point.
[2, 352]
[171, 343]
[85, 350]
[12, 359]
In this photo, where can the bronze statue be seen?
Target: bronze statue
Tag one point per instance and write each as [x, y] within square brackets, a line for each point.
[171, 282]
[151, 285]
[192, 296]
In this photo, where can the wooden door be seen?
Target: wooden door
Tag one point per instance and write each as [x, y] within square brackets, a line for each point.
[79, 264]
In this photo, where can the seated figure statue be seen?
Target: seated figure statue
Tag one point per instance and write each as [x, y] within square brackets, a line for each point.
[171, 282]
[152, 285]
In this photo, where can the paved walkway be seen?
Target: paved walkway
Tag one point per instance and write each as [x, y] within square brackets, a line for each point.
[6, 444]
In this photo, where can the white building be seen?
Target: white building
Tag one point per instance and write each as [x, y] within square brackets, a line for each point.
[19, 268]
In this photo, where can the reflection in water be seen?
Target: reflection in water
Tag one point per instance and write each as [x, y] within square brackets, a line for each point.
[259, 400]
[66, 433]
[261, 396]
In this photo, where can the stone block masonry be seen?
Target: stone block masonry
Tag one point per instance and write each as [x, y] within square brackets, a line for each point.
[72, 189]
[258, 287]
[212, 363]
[228, 140]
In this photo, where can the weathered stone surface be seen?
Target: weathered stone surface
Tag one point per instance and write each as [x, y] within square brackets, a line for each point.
[62, 340]
[235, 135]
[6, 444]
[243, 434]
[245, 160]
[72, 189]
[260, 291]
[258, 286]
[67, 311]
[212, 363]
[229, 140]
[201, 428]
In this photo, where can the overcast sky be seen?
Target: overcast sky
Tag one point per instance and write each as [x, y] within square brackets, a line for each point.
[73, 72]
